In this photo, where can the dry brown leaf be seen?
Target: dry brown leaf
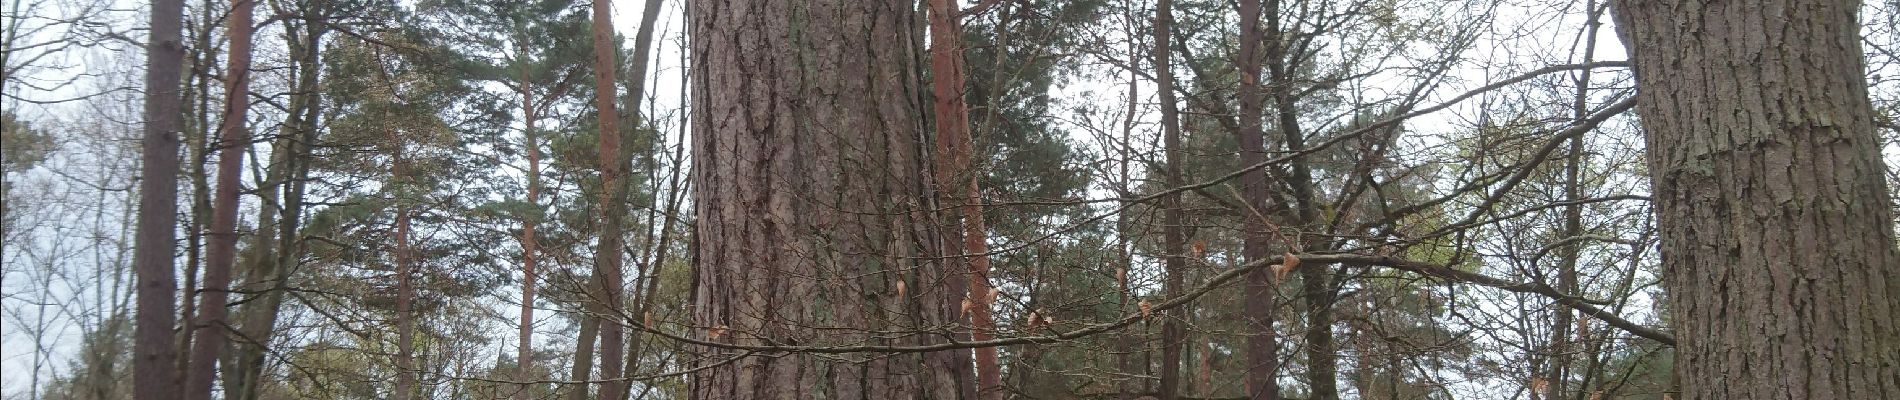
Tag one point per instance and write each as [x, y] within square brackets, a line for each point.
[900, 289]
[1147, 310]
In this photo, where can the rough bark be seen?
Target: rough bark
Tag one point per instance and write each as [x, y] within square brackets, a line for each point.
[1777, 242]
[1174, 236]
[810, 190]
[235, 139]
[154, 349]
[956, 179]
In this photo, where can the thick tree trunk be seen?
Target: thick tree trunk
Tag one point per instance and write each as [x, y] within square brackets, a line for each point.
[154, 347]
[956, 179]
[1777, 238]
[1174, 236]
[236, 138]
[810, 190]
[613, 161]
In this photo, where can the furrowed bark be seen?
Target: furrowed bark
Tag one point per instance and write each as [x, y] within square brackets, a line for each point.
[811, 189]
[1777, 233]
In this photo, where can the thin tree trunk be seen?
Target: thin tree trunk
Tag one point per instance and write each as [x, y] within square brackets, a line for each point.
[1316, 289]
[524, 353]
[236, 138]
[636, 92]
[154, 348]
[613, 161]
[1262, 353]
[956, 179]
[259, 316]
[584, 340]
[406, 370]
[1777, 233]
[1174, 238]
[199, 146]
[1560, 352]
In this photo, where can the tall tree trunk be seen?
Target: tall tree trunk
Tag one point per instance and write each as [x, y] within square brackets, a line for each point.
[1316, 289]
[810, 190]
[201, 56]
[236, 138]
[1174, 237]
[530, 143]
[1263, 343]
[1777, 233]
[613, 161]
[636, 92]
[406, 370]
[956, 179]
[272, 275]
[583, 368]
[1561, 326]
[154, 347]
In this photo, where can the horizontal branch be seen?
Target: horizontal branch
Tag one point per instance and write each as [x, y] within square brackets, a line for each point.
[1538, 288]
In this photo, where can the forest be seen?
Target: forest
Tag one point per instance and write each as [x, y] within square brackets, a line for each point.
[949, 199]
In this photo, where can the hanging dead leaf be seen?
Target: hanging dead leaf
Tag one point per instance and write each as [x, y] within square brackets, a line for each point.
[1538, 385]
[1147, 310]
[965, 308]
[991, 297]
[647, 320]
[900, 289]
[1279, 271]
[1200, 249]
[716, 332]
[1121, 275]
[1291, 261]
